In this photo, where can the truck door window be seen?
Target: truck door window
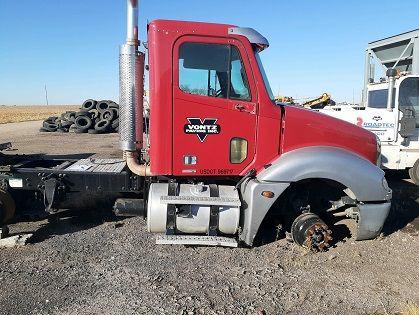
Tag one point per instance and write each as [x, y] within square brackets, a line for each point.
[212, 70]
[409, 96]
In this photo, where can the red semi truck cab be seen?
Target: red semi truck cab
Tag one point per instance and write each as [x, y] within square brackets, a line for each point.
[214, 121]
[212, 110]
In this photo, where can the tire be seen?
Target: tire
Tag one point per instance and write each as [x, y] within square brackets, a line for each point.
[62, 130]
[51, 119]
[83, 113]
[83, 122]
[43, 129]
[108, 114]
[7, 207]
[102, 125]
[72, 116]
[66, 123]
[68, 116]
[89, 104]
[414, 173]
[116, 112]
[51, 127]
[115, 123]
[102, 106]
[112, 104]
[94, 113]
[93, 131]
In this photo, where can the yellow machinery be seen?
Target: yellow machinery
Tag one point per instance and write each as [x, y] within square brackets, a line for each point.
[284, 99]
[318, 102]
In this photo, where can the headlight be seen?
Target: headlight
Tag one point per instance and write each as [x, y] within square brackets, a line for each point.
[378, 160]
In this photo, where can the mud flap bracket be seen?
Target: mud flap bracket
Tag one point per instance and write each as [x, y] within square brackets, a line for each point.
[50, 193]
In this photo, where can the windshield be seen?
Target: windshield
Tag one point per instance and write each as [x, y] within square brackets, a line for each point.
[265, 78]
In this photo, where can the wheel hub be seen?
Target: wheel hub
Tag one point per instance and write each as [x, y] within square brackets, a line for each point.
[309, 231]
[318, 237]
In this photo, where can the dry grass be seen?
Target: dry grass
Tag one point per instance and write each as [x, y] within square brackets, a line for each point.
[410, 309]
[9, 114]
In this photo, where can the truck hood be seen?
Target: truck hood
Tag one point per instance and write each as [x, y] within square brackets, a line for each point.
[303, 128]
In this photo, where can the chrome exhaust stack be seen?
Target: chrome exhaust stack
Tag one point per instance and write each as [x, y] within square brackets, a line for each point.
[131, 90]
[129, 81]
[391, 74]
[132, 23]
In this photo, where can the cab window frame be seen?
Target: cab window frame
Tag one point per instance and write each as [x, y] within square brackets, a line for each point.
[228, 86]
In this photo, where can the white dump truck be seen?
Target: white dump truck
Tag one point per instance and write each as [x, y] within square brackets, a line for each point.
[390, 104]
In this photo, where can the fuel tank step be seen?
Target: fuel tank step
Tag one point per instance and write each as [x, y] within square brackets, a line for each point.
[199, 240]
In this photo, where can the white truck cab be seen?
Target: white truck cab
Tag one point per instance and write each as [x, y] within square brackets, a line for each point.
[390, 106]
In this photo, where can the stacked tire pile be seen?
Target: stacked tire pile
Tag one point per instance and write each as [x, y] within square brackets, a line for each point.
[93, 117]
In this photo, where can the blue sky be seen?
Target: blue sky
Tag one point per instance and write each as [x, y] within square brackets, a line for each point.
[72, 46]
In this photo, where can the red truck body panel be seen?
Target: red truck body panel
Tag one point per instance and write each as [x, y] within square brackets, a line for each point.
[304, 128]
[259, 121]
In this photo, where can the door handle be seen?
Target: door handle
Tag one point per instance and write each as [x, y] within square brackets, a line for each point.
[239, 107]
[248, 109]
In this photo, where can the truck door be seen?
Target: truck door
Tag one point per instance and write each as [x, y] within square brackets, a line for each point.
[376, 118]
[214, 107]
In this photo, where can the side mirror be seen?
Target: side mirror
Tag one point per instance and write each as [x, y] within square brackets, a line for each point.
[407, 122]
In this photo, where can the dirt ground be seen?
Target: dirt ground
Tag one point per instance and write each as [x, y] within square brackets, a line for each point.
[93, 263]
[10, 114]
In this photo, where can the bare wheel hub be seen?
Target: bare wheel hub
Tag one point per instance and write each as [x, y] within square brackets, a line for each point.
[309, 231]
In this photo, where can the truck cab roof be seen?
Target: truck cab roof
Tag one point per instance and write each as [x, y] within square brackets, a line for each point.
[209, 29]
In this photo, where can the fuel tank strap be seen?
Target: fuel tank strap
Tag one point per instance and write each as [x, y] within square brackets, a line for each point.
[214, 212]
[171, 211]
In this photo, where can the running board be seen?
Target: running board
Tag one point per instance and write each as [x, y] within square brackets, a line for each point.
[198, 240]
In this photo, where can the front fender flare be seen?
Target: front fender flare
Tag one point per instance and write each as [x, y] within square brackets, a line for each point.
[365, 180]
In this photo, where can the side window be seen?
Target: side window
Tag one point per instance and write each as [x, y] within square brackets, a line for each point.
[409, 96]
[378, 98]
[212, 70]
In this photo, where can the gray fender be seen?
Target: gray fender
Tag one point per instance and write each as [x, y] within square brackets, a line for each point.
[365, 180]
